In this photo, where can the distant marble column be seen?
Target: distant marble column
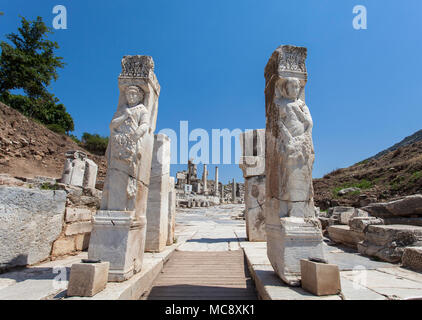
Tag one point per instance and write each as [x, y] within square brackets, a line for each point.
[172, 212]
[205, 179]
[216, 182]
[252, 163]
[293, 232]
[158, 197]
[119, 227]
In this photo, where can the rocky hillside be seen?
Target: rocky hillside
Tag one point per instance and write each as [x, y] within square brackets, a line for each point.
[29, 149]
[391, 174]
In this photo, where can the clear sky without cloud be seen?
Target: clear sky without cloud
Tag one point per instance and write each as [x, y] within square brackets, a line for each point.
[364, 88]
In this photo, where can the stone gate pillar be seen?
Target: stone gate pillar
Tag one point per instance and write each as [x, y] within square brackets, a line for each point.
[293, 232]
[119, 227]
[252, 163]
[158, 197]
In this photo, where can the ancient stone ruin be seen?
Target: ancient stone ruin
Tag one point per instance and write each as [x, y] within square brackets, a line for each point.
[293, 232]
[252, 163]
[79, 170]
[119, 229]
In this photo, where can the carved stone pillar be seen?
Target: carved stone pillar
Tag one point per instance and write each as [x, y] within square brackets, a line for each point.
[293, 232]
[252, 163]
[119, 228]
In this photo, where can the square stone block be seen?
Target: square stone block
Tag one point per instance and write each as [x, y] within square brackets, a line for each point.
[319, 278]
[87, 279]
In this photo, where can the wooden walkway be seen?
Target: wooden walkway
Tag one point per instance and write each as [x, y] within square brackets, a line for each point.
[202, 275]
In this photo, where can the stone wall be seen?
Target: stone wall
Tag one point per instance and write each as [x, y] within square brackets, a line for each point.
[38, 225]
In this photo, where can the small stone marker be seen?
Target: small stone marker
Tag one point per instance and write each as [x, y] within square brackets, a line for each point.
[87, 278]
[320, 278]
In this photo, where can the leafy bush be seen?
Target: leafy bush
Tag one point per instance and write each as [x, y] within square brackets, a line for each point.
[56, 128]
[94, 143]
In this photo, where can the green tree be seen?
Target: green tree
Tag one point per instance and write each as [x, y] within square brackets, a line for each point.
[29, 63]
[94, 143]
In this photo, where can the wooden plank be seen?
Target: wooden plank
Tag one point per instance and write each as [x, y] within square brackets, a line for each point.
[190, 275]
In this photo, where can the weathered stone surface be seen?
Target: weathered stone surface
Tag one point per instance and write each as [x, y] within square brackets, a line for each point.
[120, 227]
[119, 239]
[158, 197]
[74, 168]
[82, 241]
[412, 258]
[90, 175]
[320, 279]
[78, 227]
[87, 279]
[344, 235]
[78, 214]
[30, 221]
[252, 160]
[388, 242]
[406, 207]
[172, 212]
[293, 232]
[254, 208]
[360, 224]
[63, 246]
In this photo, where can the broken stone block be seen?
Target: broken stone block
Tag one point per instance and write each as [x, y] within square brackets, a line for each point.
[387, 242]
[82, 241]
[320, 279]
[30, 221]
[87, 279]
[412, 258]
[344, 235]
[360, 224]
[78, 214]
[345, 191]
[406, 207]
[90, 175]
[63, 246]
[74, 168]
[78, 227]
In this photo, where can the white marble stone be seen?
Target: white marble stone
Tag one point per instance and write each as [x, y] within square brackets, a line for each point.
[252, 160]
[74, 168]
[158, 197]
[254, 208]
[90, 175]
[293, 232]
[30, 221]
[119, 229]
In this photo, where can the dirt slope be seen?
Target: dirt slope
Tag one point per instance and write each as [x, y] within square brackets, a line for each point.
[391, 175]
[28, 149]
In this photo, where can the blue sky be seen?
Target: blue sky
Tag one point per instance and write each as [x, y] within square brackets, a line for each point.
[364, 87]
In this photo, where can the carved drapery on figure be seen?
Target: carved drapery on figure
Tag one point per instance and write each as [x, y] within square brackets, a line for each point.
[119, 228]
[292, 231]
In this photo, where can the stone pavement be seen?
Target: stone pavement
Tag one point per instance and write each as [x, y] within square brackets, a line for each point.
[213, 230]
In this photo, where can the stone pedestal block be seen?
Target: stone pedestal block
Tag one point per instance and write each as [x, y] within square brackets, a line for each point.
[118, 238]
[294, 239]
[87, 279]
[319, 278]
